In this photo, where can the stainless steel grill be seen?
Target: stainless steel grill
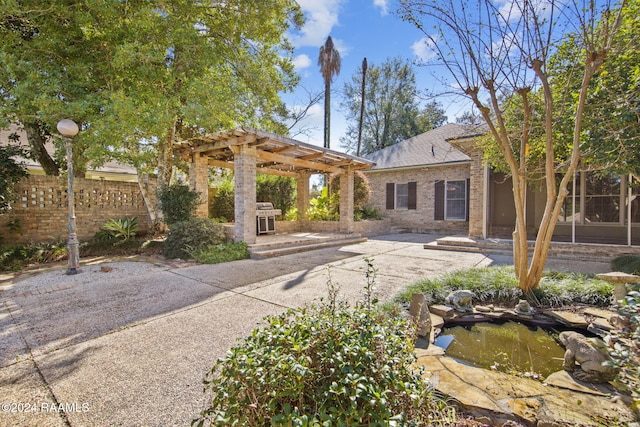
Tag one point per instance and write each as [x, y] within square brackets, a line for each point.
[266, 217]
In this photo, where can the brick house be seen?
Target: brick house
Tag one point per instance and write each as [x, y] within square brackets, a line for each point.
[425, 183]
[437, 181]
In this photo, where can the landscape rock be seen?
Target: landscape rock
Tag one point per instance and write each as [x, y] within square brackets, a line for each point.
[502, 397]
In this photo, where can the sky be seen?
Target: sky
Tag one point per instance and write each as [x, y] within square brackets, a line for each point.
[359, 29]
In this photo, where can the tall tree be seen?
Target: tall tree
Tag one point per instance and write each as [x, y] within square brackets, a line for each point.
[392, 110]
[495, 50]
[329, 62]
[139, 75]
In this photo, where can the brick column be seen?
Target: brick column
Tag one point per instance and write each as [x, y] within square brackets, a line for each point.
[245, 194]
[199, 181]
[476, 195]
[346, 201]
[302, 182]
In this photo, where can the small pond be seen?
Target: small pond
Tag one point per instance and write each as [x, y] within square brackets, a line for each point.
[506, 347]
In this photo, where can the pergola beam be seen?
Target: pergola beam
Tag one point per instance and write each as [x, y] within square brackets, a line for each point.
[279, 158]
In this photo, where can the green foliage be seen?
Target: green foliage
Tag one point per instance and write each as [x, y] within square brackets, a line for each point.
[121, 229]
[364, 213]
[498, 284]
[223, 204]
[11, 172]
[190, 235]
[323, 207]
[279, 190]
[324, 364]
[18, 257]
[178, 203]
[216, 254]
[291, 215]
[156, 66]
[326, 206]
[629, 264]
[392, 112]
[624, 347]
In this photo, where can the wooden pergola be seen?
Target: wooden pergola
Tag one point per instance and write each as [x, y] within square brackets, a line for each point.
[249, 152]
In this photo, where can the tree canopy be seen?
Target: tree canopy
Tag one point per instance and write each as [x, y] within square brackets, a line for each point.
[138, 75]
[392, 110]
[495, 52]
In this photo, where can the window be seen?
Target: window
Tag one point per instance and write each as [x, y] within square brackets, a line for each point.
[451, 200]
[602, 198]
[456, 200]
[402, 196]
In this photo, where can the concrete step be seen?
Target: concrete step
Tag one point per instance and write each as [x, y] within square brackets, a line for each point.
[286, 248]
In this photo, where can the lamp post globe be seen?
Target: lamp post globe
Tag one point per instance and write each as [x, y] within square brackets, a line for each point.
[69, 129]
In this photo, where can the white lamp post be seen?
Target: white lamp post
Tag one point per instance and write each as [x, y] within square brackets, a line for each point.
[69, 129]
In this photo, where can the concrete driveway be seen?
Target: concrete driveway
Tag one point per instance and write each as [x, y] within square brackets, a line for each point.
[130, 347]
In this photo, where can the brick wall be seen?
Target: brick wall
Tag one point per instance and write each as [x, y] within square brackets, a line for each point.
[41, 212]
[420, 219]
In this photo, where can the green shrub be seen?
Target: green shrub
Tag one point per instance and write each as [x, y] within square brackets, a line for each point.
[629, 264]
[223, 204]
[364, 213]
[120, 229]
[17, 257]
[216, 254]
[279, 190]
[624, 347]
[498, 284]
[189, 235]
[324, 364]
[178, 203]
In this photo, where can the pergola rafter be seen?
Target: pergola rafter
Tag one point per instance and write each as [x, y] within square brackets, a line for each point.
[249, 151]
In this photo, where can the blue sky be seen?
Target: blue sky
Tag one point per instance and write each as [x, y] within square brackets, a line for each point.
[359, 28]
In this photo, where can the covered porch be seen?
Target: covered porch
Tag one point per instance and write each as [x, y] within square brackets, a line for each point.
[250, 152]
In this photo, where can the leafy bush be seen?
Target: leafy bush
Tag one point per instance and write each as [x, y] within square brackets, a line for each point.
[190, 235]
[121, 229]
[364, 213]
[216, 254]
[17, 257]
[498, 284]
[11, 173]
[629, 264]
[624, 347]
[223, 204]
[323, 207]
[279, 190]
[178, 203]
[324, 364]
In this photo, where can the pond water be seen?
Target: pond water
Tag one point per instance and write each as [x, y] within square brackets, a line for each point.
[506, 347]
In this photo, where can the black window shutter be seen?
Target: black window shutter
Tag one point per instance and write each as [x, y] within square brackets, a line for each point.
[439, 201]
[391, 195]
[468, 197]
[412, 201]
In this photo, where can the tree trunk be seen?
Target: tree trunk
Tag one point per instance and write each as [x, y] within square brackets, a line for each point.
[165, 155]
[327, 115]
[37, 138]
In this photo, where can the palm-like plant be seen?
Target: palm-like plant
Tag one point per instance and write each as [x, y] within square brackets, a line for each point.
[329, 62]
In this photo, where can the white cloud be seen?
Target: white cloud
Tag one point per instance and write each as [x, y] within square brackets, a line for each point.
[301, 62]
[382, 4]
[424, 49]
[321, 17]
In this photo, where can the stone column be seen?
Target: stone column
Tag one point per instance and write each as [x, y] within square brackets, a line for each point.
[346, 201]
[302, 182]
[245, 194]
[199, 181]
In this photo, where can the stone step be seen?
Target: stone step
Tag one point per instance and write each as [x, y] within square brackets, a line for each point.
[275, 250]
